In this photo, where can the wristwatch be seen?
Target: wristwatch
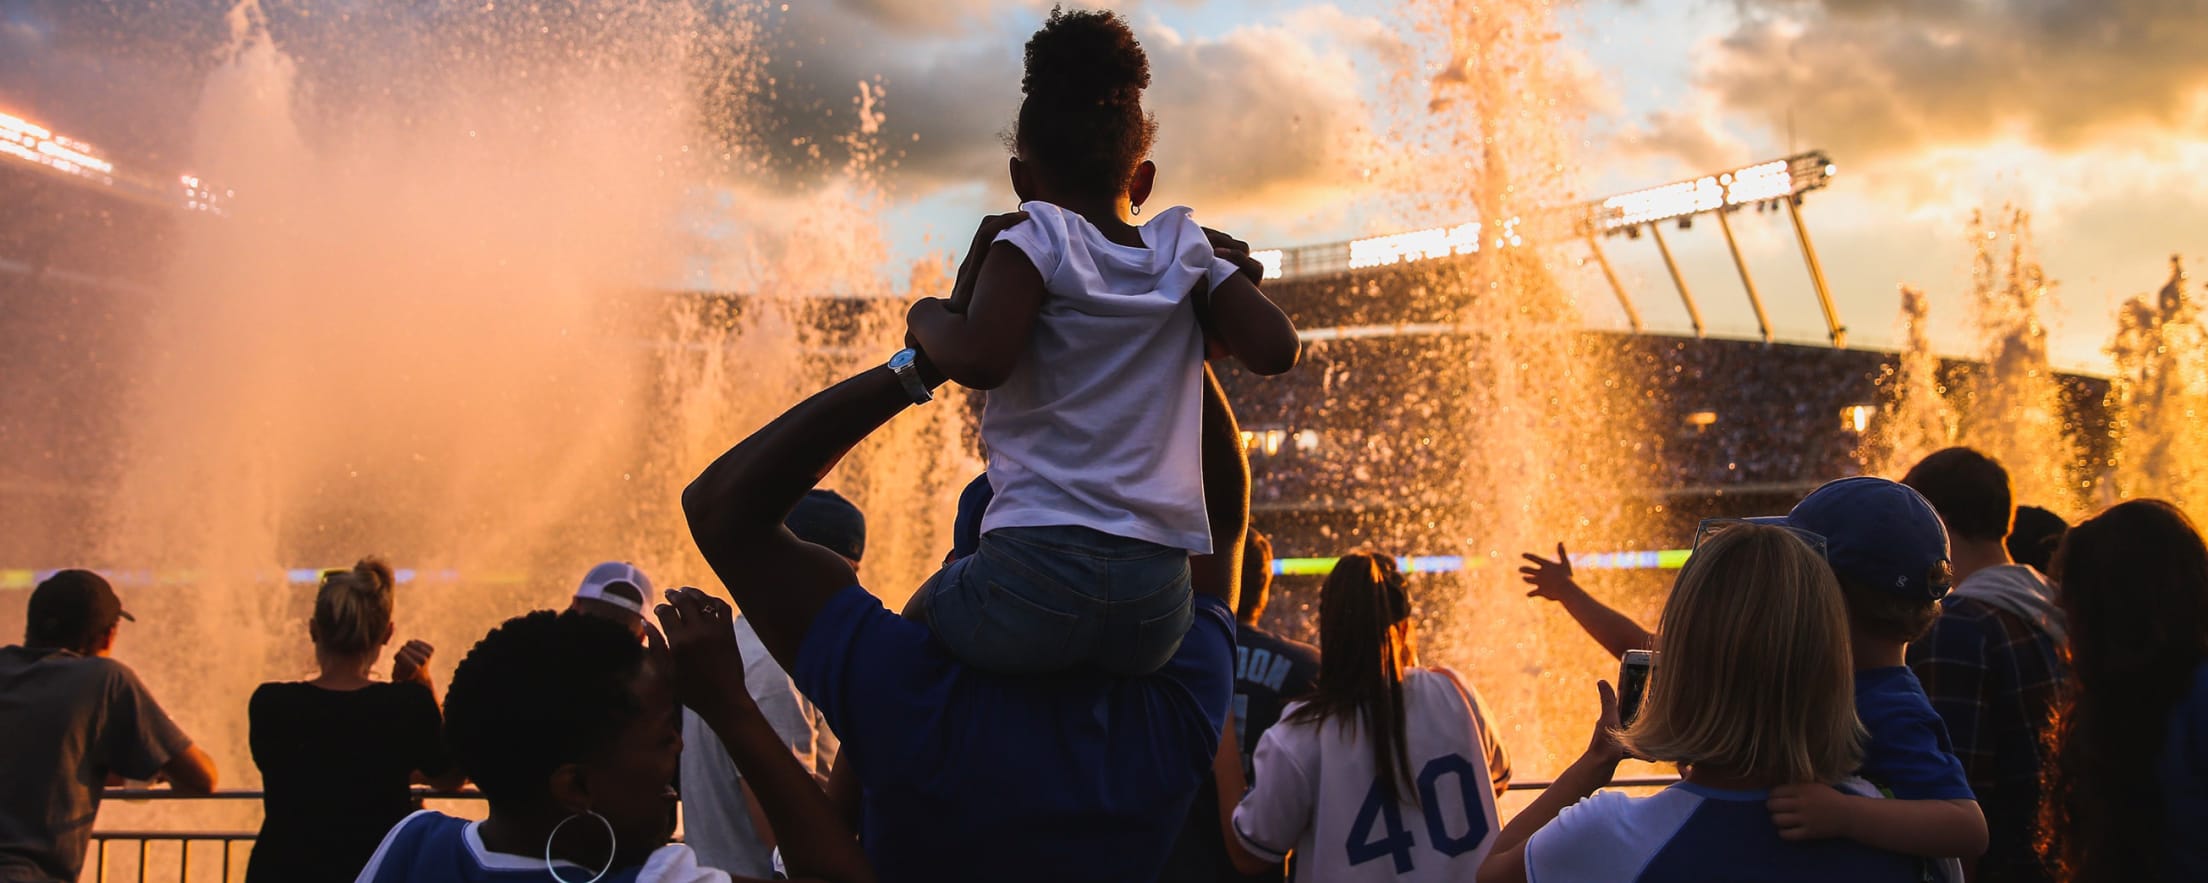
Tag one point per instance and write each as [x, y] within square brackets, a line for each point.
[905, 365]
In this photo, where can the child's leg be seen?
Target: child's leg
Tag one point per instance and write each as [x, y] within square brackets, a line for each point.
[1036, 600]
[1147, 614]
[1015, 606]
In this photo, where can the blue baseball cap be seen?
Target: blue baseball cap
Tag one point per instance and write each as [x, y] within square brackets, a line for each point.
[826, 519]
[1879, 533]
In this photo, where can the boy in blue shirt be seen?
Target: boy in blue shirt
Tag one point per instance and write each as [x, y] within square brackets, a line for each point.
[1889, 549]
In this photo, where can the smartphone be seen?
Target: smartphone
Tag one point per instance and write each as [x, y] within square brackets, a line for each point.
[1633, 672]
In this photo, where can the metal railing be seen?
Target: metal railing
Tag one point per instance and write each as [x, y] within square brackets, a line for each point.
[147, 855]
[169, 855]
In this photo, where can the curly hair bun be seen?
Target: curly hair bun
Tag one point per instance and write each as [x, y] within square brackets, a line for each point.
[1085, 57]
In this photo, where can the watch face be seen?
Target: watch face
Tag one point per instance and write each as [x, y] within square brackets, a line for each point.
[903, 359]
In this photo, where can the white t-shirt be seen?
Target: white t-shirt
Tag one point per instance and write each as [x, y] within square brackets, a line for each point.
[715, 821]
[1317, 792]
[1099, 425]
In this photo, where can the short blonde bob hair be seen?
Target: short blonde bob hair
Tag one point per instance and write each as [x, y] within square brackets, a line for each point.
[1756, 679]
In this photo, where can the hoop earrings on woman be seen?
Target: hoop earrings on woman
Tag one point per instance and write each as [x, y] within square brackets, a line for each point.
[612, 847]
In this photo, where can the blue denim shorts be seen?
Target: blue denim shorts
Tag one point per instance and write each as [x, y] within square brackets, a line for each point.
[1039, 600]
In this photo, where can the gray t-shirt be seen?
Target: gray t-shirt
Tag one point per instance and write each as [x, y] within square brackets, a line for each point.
[66, 722]
[715, 821]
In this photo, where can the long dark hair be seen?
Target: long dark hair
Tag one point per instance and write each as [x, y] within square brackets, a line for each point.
[2135, 594]
[1360, 672]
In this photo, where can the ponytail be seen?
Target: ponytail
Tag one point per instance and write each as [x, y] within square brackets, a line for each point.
[352, 609]
[1360, 670]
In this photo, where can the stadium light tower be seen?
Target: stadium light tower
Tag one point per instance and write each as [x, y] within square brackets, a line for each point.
[1763, 185]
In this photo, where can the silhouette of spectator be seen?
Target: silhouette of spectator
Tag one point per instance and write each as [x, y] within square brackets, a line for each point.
[1992, 662]
[569, 726]
[2034, 537]
[2127, 787]
[337, 753]
[964, 772]
[72, 721]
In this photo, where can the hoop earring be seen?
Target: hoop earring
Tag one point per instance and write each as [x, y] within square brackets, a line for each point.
[610, 853]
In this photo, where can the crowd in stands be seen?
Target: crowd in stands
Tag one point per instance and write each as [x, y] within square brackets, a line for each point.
[1894, 681]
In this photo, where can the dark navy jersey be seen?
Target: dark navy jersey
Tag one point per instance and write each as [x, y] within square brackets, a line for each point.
[1269, 673]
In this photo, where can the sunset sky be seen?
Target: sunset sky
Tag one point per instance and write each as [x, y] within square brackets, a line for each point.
[2086, 113]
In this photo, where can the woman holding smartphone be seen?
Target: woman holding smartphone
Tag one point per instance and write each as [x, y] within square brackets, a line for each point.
[1387, 771]
[1755, 690]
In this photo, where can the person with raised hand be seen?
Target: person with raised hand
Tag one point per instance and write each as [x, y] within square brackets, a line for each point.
[571, 729]
[1753, 692]
[338, 753]
[967, 772]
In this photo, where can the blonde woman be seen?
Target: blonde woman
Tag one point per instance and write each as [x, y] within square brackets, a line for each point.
[337, 753]
[1754, 690]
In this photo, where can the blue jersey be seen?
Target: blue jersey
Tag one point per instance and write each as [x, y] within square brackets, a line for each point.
[1691, 834]
[1908, 755]
[431, 847]
[973, 776]
[1269, 672]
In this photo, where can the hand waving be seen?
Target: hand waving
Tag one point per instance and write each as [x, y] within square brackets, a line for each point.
[1550, 579]
[696, 644]
[411, 663]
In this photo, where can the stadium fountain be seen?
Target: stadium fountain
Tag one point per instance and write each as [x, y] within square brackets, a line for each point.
[457, 320]
[2157, 399]
[1521, 429]
[2005, 400]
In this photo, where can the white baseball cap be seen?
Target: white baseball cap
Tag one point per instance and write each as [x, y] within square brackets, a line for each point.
[618, 583]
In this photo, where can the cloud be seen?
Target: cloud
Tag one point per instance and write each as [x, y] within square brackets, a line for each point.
[1687, 135]
[1258, 114]
[1870, 78]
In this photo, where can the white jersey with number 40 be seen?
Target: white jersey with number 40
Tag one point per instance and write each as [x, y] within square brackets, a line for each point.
[1316, 792]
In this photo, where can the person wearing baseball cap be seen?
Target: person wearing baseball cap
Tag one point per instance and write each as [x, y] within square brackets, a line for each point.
[614, 591]
[75, 718]
[1889, 549]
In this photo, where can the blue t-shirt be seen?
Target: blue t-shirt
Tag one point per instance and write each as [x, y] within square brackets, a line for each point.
[1908, 755]
[2183, 776]
[972, 776]
[1269, 673]
[1691, 834]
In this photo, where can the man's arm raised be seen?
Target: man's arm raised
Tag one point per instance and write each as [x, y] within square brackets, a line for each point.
[736, 506]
